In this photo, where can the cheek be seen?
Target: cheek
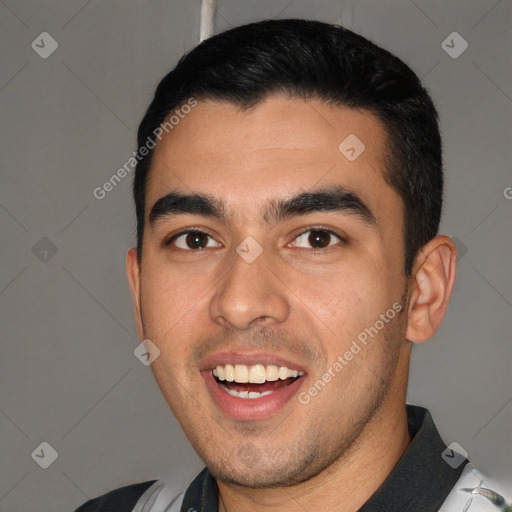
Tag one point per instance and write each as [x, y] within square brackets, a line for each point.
[346, 301]
[332, 297]
[169, 305]
[335, 306]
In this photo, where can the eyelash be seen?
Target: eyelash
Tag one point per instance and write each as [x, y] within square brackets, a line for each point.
[342, 240]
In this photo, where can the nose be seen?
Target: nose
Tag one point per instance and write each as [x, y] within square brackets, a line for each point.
[250, 293]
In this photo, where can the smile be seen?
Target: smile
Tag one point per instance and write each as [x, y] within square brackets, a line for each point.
[255, 381]
[252, 387]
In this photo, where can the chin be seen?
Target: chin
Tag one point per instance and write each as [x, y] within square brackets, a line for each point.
[250, 469]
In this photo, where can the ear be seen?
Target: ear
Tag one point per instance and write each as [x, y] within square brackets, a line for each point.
[133, 275]
[433, 279]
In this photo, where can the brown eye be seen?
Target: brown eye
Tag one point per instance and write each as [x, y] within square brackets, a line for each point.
[319, 239]
[193, 240]
[316, 239]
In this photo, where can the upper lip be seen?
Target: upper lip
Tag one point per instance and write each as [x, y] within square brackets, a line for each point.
[248, 359]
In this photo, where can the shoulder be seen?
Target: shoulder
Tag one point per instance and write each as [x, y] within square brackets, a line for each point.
[123, 499]
[475, 492]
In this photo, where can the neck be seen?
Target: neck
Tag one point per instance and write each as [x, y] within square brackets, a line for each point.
[348, 483]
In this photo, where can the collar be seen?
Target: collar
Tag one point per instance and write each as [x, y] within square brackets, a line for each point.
[420, 481]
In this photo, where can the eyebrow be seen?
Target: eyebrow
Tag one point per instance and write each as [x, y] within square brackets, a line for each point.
[330, 199]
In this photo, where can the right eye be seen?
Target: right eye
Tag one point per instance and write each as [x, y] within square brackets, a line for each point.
[193, 240]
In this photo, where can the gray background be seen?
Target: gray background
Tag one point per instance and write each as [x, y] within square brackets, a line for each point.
[68, 375]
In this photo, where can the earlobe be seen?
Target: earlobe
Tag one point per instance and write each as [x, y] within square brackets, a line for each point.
[432, 284]
[133, 275]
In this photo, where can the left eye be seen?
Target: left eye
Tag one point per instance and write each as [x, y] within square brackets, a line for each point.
[317, 239]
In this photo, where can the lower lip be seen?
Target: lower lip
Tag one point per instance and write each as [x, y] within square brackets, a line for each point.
[250, 408]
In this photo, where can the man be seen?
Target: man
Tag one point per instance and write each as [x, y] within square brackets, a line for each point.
[288, 198]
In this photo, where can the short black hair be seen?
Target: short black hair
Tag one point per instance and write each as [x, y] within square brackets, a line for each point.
[310, 59]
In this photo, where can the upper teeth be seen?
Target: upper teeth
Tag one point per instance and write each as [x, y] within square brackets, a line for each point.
[256, 374]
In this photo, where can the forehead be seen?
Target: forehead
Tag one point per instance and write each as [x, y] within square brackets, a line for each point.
[278, 147]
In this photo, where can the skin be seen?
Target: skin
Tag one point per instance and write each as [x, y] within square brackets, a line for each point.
[293, 302]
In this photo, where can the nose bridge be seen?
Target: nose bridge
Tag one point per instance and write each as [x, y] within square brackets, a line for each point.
[250, 290]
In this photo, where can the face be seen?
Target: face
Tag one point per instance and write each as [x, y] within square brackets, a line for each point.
[272, 283]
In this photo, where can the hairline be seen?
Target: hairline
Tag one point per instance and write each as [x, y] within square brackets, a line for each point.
[388, 159]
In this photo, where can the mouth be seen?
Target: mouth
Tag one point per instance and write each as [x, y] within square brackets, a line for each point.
[253, 391]
[256, 381]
